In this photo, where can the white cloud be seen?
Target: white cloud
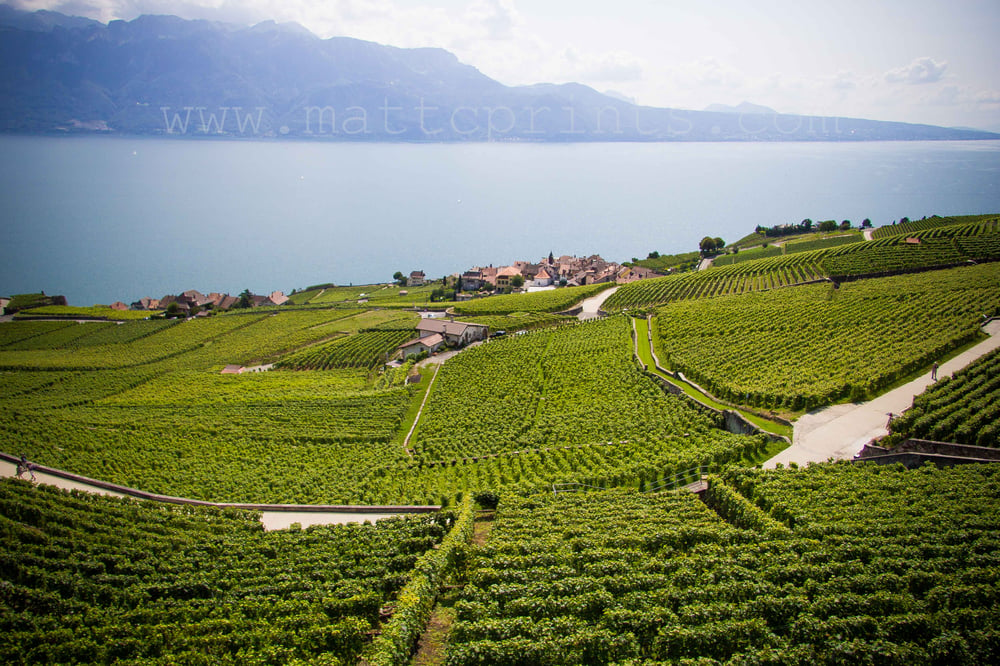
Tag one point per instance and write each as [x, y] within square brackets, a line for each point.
[708, 72]
[988, 98]
[946, 96]
[844, 81]
[615, 67]
[921, 70]
[497, 19]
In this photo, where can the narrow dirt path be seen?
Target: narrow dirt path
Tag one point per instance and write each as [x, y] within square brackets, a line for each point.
[433, 644]
[841, 431]
[416, 420]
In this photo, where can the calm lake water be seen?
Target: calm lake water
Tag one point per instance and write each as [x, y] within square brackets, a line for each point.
[101, 219]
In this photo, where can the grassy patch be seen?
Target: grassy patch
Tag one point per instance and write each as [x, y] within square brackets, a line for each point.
[646, 356]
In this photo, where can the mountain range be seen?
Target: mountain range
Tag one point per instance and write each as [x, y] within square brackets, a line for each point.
[162, 75]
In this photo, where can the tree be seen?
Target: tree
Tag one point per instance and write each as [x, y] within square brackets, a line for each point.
[866, 224]
[845, 225]
[807, 224]
[828, 225]
[904, 220]
[653, 255]
[707, 245]
[245, 300]
[400, 278]
[517, 281]
[720, 244]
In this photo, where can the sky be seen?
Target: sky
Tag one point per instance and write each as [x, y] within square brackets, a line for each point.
[923, 61]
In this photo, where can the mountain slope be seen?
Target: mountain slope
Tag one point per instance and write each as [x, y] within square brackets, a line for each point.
[165, 75]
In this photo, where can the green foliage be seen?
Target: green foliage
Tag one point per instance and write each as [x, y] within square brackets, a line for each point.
[364, 350]
[736, 274]
[94, 312]
[825, 242]
[882, 565]
[520, 321]
[964, 408]
[735, 509]
[932, 222]
[814, 345]
[535, 390]
[665, 262]
[528, 411]
[553, 300]
[416, 600]
[748, 255]
[94, 579]
[382, 295]
[20, 302]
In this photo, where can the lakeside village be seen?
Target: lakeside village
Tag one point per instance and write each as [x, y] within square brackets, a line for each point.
[478, 282]
[433, 334]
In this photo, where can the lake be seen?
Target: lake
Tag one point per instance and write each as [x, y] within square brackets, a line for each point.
[101, 219]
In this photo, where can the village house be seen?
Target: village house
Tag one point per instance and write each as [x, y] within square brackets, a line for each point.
[417, 279]
[417, 346]
[634, 274]
[472, 280]
[456, 333]
[543, 278]
[146, 303]
[489, 275]
[119, 306]
[505, 275]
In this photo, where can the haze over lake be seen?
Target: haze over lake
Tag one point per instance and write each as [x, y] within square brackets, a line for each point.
[100, 219]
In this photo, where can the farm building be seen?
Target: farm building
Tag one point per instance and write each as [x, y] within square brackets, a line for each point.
[417, 346]
[456, 333]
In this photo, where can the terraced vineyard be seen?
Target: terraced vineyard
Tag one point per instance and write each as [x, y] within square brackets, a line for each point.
[828, 564]
[814, 345]
[833, 564]
[381, 295]
[963, 408]
[364, 350]
[740, 278]
[155, 414]
[520, 321]
[934, 248]
[567, 405]
[932, 222]
[95, 312]
[554, 300]
[536, 390]
[89, 579]
[808, 245]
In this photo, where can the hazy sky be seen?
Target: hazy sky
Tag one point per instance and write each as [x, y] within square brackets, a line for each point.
[931, 61]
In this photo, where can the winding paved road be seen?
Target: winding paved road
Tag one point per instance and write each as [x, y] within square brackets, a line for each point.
[592, 306]
[841, 431]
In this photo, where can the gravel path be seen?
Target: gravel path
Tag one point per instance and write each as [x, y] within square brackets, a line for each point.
[592, 306]
[841, 431]
[271, 519]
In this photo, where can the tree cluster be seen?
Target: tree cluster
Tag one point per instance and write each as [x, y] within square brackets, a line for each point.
[711, 246]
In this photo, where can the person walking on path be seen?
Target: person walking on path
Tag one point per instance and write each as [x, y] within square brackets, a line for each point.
[25, 466]
[934, 369]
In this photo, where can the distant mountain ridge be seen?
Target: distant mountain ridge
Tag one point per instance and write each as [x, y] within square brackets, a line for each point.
[742, 107]
[162, 75]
